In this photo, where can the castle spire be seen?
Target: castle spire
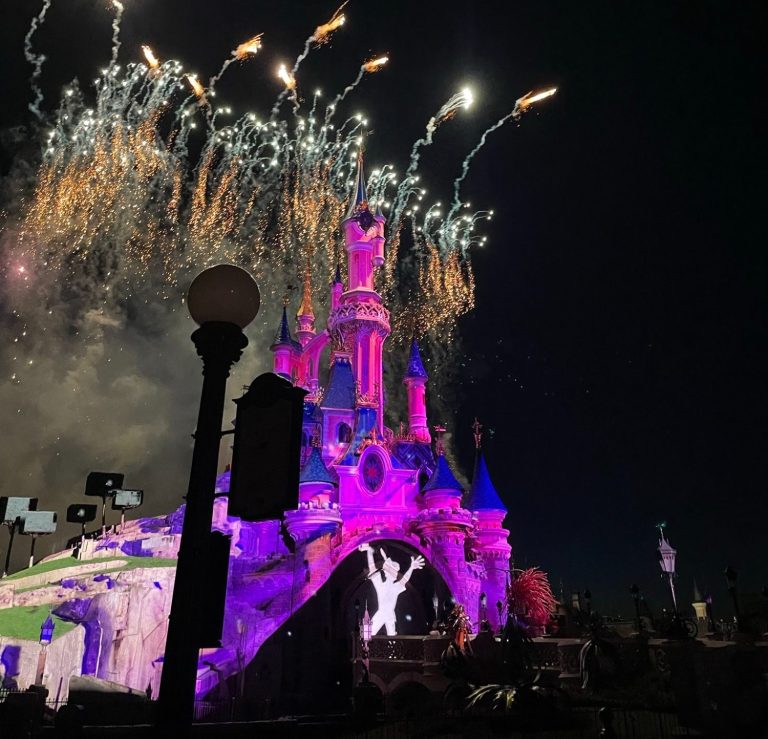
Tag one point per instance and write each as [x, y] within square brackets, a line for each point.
[305, 309]
[283, 333]
[359, 199]
[415, 381]
[285, 348]
[482, 493]
[305, 317]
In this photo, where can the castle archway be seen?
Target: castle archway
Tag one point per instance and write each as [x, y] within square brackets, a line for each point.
[306, 665]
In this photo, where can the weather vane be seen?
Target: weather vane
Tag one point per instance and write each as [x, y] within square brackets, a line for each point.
[477, 432]
[440, 429]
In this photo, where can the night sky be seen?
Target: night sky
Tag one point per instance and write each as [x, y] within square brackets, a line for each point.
[617, 351]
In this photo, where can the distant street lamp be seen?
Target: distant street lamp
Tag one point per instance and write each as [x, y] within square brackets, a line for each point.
[731, 577]
[222, 300]
[635, 590]
[667, 557]
[366, 634]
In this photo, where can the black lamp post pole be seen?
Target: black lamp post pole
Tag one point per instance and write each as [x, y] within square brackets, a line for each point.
[220, 346]
[12, 534]
[731, 578]
[635, 590]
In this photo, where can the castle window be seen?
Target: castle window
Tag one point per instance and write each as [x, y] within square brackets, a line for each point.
[344, 433]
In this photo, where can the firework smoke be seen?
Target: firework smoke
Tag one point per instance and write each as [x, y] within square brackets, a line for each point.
[119, 8]
[36, 60]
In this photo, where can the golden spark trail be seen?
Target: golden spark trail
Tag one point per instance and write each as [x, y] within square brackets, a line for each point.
[149, 55]
[286, 77]
[246, 49]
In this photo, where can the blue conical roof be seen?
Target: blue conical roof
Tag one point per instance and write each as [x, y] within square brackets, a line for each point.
[360, 193]
[482, 495]
[283, 334]
[442, 478]
[415, 365]
[337, 276]
[341, 386]
[314, 469]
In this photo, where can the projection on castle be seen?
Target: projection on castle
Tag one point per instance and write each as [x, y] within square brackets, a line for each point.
[379, 509]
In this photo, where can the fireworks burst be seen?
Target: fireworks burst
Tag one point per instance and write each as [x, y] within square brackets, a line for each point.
[122, 215]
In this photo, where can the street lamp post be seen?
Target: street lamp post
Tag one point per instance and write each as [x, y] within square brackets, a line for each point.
[222, 300]
[635, 590]
[366, 633]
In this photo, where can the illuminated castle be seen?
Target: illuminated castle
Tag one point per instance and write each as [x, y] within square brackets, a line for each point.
[372, 504]
[361, 483]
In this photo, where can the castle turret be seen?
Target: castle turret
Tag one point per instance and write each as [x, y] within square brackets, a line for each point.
[285, 349]
[444, 525]
[317, 484]
[415, 381]
[442, 490]
[359, 324]
[490, 538]
[318, 511]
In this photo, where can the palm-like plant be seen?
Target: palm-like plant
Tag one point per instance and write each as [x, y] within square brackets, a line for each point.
[530, 596]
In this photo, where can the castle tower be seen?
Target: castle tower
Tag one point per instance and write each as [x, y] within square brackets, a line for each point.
[444, 525]
[285, 349]
[359, 324]
[490, 539]
[415, 381]
[317, 484]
